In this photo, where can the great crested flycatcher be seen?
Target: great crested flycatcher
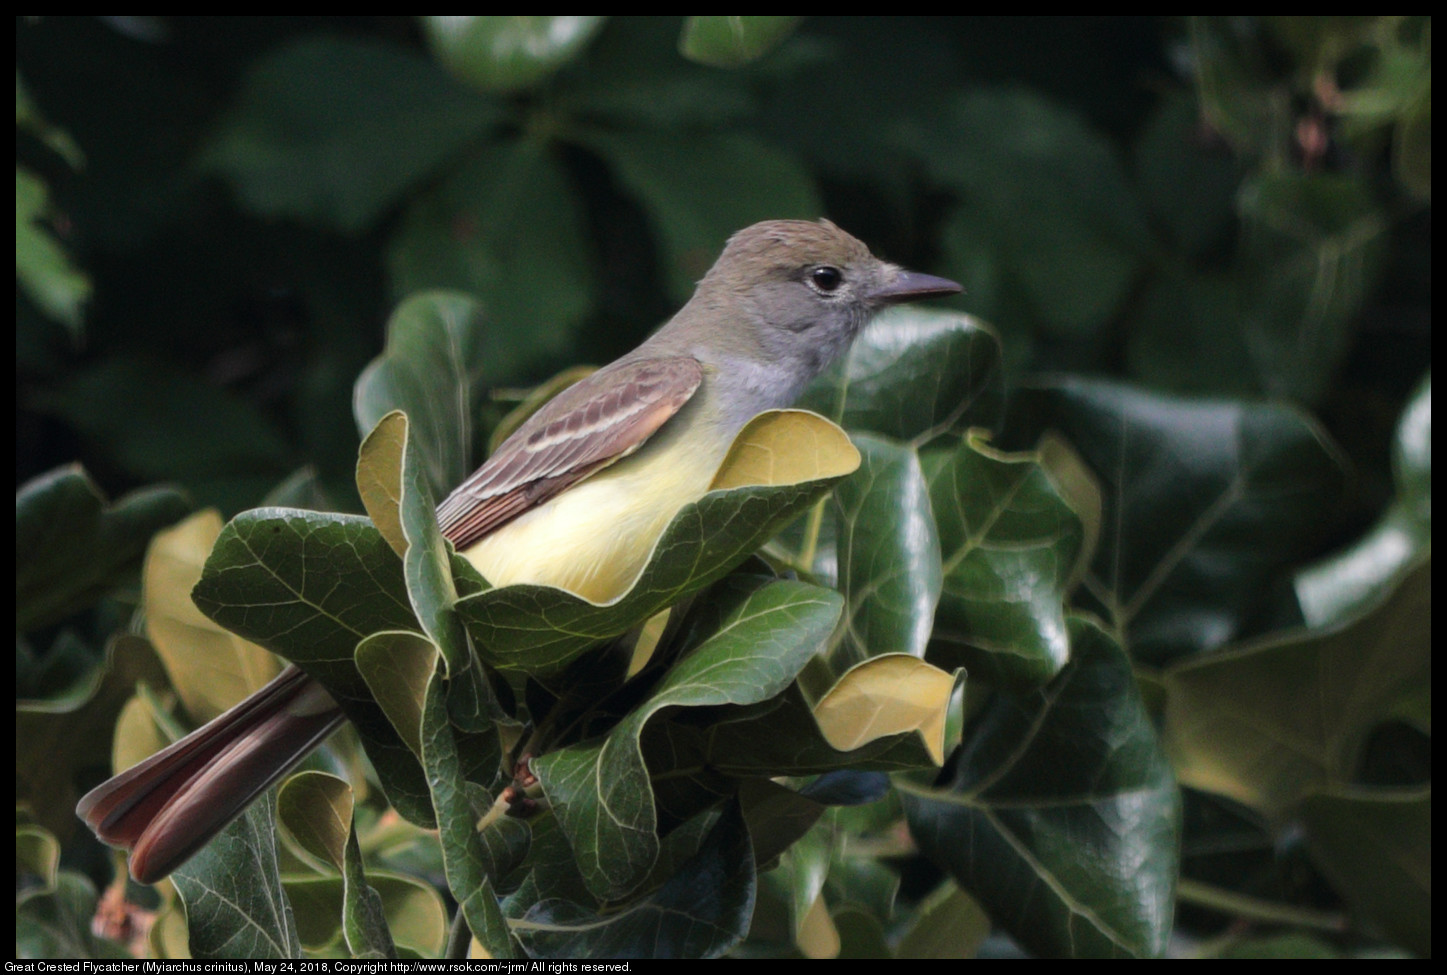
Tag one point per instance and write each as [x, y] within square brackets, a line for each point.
[575, 498]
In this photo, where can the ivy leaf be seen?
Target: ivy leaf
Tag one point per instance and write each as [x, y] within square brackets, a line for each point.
[1272, 721]
[235, 905]
[1060, 814]
[600, 791]
[72, 545]
[701, 912]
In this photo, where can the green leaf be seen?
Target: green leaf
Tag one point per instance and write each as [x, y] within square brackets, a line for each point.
[1272, 721]
[1343, 585]
[1376, 848]
[508, 54]
[54, 922]
[913, 374]
[1012, 548]
[433, 357]
[72, 730]
[309, 587]
[72, 546]
[42, 267]
[471, 869]
[1188, 183]
[697, 191]
[1207, 504]
[160, 422]
[316, 808]
[728, 42]
[235, 905]
[949, 924]
[600, 790]
[701, 912]
[1060, 814]
[333, 131]
[508, 227]
[1048, 193]
[413, 908]
[538, 630]
[889, 554]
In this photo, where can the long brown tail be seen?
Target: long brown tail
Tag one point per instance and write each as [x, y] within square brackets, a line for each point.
[169, 806]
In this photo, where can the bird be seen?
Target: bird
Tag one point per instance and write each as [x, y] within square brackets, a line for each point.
[574, 498]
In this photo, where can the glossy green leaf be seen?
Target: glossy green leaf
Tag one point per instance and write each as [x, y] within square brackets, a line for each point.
[316, 808]
[333, 131]
[913, 374]
[1060, 814]
[698, 191]
[1207, 504]
[1376, 848]
[309, 586]
[1011, 547]
[889, 554]
[235, 905]
[1272, 721]
[506, 54]
[72, 546]
[43, 270]
[1348, 582]
[727, 42]
[701, 912]
[600, 790]
[507, 227]
[538, 630]
[433, 357]
[413, 908]
[949, 924]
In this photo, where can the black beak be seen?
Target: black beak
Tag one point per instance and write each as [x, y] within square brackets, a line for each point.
[911, 285]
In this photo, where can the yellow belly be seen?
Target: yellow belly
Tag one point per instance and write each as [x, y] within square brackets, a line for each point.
[595, 538]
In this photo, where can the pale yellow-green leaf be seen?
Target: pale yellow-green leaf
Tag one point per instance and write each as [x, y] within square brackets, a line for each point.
[38, 851]
[648, 637]
[396, 666]
[316, 808]
[817, 937]
[379, 477]
[137, 736]
[211, 668]
[887, 695]
[786, 447]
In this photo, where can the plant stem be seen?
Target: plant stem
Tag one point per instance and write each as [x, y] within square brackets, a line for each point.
[1258, 909]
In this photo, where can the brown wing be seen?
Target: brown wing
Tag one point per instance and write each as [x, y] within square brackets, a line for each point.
[583, 429]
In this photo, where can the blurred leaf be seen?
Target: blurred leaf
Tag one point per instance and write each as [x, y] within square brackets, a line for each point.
[235, 905]
[316, 808]
[1348, 582]
[1060, 814]
[600, 791]
[210, 668]
[728, 42]
[949, 924]
[1048, 193]
[1187, 179]
[506, 226]
[701, 912]
[1272, 721]
[539, 629]
[508, 54]
[56, 737]
[1207, 504]
[1237, 83]
[72, 546]
[1376, 848]
[54, 922]
[1012, 547]
[698, 191]
[889, 554]
[333, 131]
[163, 423]
[42, 267]
[29, 119]
[432, 359]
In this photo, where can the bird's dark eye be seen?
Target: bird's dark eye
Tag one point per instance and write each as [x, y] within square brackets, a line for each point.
[826, 278]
